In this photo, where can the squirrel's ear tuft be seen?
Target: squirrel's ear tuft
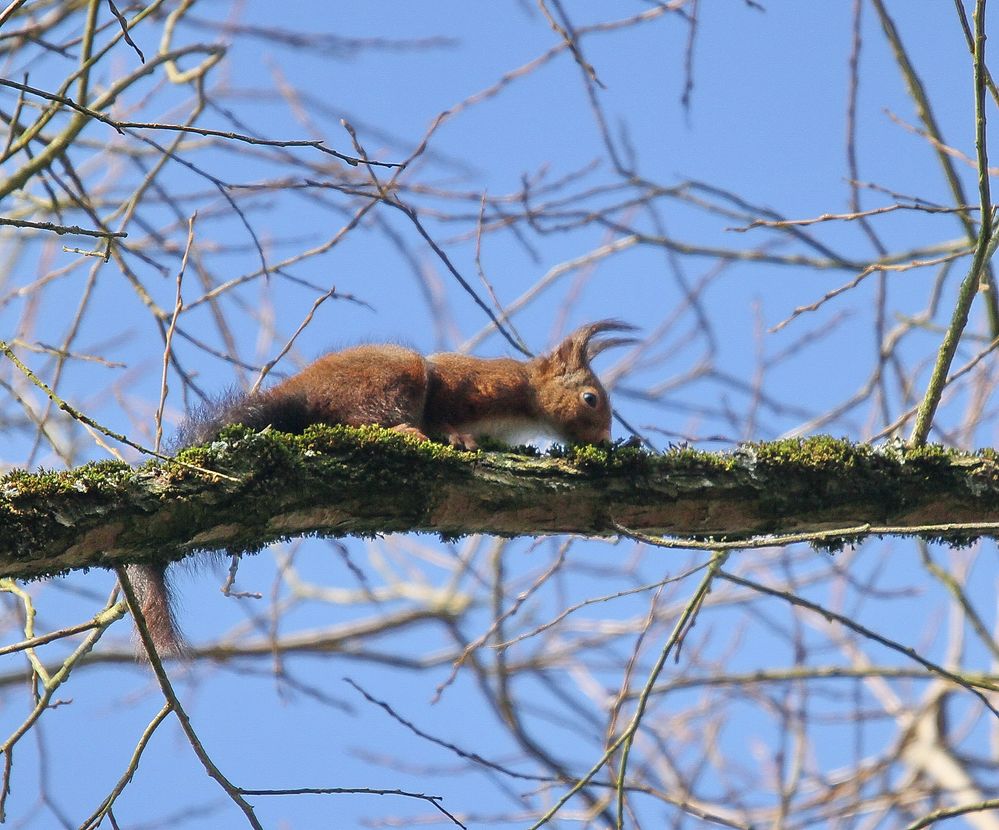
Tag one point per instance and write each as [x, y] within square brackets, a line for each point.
[579, 348]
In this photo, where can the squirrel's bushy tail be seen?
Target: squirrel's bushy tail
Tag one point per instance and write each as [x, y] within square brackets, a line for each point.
[153, 593]
[287, 413]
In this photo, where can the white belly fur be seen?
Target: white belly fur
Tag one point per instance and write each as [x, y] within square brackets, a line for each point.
[512, 431]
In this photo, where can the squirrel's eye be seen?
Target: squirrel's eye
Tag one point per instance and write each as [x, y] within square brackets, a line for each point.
[589, 398]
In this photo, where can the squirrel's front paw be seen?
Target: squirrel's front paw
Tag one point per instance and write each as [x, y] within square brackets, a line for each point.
[406, 429]
[462, 441]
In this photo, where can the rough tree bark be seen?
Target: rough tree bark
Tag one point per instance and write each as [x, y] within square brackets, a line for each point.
[342, 481]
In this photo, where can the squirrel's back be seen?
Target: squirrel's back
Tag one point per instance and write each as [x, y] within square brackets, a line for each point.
[375, 384]
[383, 384]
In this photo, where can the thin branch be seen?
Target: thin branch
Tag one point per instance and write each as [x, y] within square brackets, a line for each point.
[984, 250]
[173, 702]
[62, 229]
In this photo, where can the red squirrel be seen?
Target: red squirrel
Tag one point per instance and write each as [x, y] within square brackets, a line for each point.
[453, 396]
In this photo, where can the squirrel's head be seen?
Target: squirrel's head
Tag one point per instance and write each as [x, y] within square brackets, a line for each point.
[569, 395]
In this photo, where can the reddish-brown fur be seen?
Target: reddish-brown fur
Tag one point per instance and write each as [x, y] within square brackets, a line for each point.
[363, 385]
[454, 396]
[466, 393]
[153, 593]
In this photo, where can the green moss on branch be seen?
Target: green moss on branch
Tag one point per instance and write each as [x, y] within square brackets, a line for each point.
[344, 481]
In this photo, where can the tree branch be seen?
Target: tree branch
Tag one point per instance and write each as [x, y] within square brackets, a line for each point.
[343, 481]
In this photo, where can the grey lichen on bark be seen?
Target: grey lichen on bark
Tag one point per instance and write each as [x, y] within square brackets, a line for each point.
[338, 481]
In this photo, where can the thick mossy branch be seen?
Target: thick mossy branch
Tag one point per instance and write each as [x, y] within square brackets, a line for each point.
[344, 481]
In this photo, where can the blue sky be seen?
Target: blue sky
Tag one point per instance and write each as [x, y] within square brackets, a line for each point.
[766, 122]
